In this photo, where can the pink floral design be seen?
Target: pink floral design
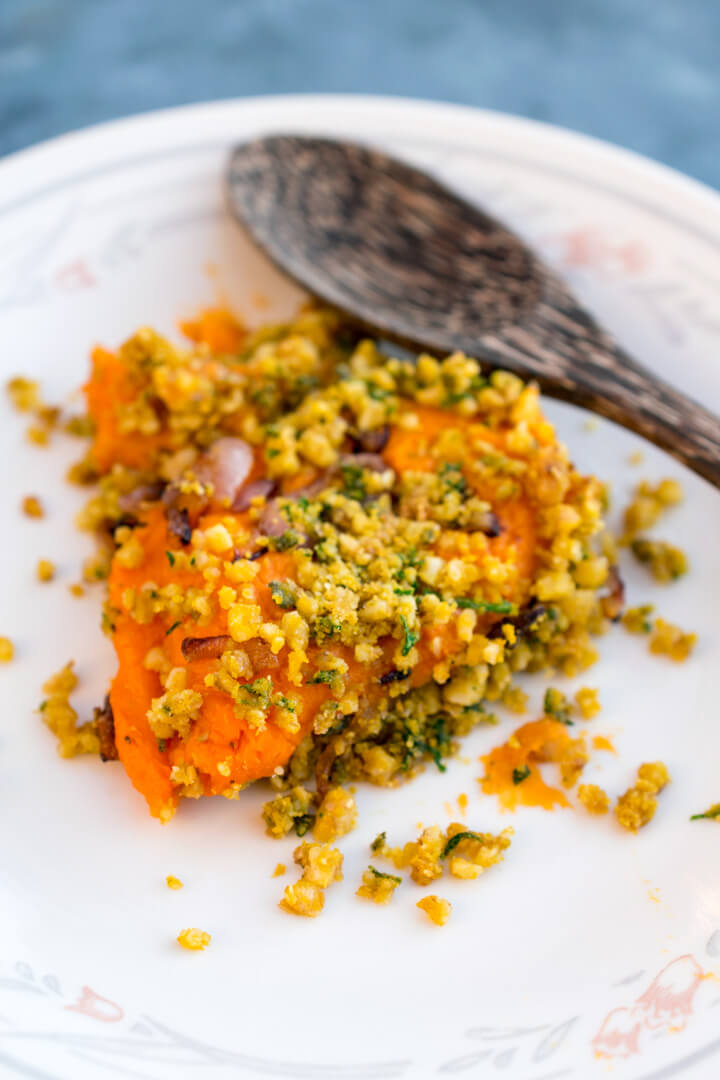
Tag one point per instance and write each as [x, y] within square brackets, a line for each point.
[590, 246]
[667, 1003]
[619, 1034]
[99, 1008]
[75, 275]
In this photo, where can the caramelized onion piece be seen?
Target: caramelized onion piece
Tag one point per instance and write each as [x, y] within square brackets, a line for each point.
[614, 601]
[206, 648]
[372, 462]
[522, 621]
[260, 653]
[373, 442]
[179, 523]
[105, 726]
[257, 489]
[226, 465]
[142, 494]
[272, 521]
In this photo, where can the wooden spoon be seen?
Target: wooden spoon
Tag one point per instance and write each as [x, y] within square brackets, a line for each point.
[415, 263]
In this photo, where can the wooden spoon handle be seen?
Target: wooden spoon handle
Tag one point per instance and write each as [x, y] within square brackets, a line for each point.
[561, 346]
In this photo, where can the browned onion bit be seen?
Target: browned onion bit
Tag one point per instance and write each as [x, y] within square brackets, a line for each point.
[179, 523]
[272, 521]
[260, 653]
[372, 442]
[522, 622]
[372, 462]
[614, 601]
[393, 676]
[206, 648]
[485, 522]
[142, 494]
[257, 489]
[105, 727]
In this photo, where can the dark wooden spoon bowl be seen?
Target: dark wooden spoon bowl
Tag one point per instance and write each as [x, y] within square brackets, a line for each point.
[415, 263]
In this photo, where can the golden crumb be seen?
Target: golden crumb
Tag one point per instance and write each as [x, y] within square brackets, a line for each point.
[637, 806]
[665, 562]
[377, 886]
[173, 882]
[588, 702]
[336, 816]
[279, 870]
[424, 856]
[76, 589]
[61, 718]
[24, 393]
[38, 435]
[647, 504]
[638, 620]
[470, 854]
[636, 458]
[436, 909]
[32, 507]
[591, 424]
[671, 641]
[45, 570]
[556, 705]
[654, 774]
[82, 427]
[514, 699]
[7, 650]
[97, 566]
[194, 939]
[321, 866]
[303, 898]
[594, 799]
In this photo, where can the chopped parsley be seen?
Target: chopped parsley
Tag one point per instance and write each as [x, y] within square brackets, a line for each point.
[170, 557]
[173, 627]
[502, 607]
[386, 877]
[353, 482]
[452, 477]
[378, 843]
[557, 705]
[285, 541]
[457, 839]
[303, 823]
[324, 627]
[323, 677]
[282, 594]
[410, 637]
[709, 814]
[433, 741]
[521, 774]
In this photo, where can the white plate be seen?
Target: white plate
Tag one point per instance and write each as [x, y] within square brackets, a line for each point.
[587, 948]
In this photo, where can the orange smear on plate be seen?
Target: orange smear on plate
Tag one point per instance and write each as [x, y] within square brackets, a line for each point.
[601, 742]
[217, 328]
[534, 742]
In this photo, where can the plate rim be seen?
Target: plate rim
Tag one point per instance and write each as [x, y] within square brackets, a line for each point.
[144, 126]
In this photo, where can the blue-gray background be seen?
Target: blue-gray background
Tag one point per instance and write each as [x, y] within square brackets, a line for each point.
[642, 73]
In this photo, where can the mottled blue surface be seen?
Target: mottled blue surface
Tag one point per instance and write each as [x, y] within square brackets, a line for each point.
[642, 73]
